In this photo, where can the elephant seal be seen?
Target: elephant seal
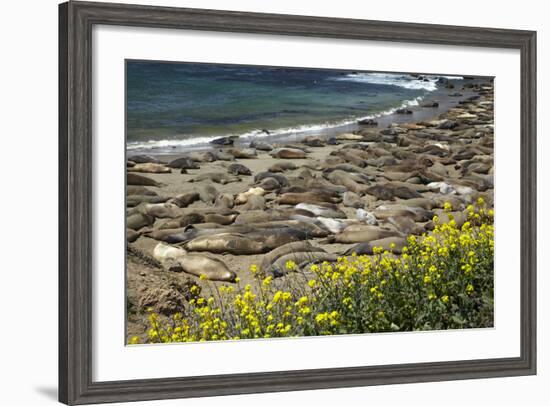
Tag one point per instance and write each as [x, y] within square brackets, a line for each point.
[321, 211]
[204, 156]
[349, 137]
[224, 201]
[384, 212]
[177, 259]
[220, 219]
[298, 246]
[245, 153]
[231, 243]
[242, 198]
[225, 141]
[183, 163]
[185, 199]
[307, 197]
[282, 166]
[390, 192]
[406, 225]
[144, 159]
[216, 177]
[161, 210]
[138, 220]
[135, 200]
[362, 233]
[238, 169]
[288, 153]
[207, 193]
[139, 191]
[351, 199]
[162, 252]
[301, 259]
[132, 235]
[261, 145]
[149, 167]
[183, 221]
[139, 180]
[392, 244]
[254, 202]
[339, 177]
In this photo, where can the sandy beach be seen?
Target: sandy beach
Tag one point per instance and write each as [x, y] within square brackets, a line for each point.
[366, 184]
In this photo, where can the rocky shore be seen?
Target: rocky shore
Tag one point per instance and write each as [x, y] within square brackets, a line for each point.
[218, 211]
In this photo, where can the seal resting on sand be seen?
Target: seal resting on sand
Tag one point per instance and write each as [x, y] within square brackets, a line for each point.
[139, 180]
[288, 153]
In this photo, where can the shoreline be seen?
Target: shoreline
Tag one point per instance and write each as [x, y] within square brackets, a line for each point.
[441, 95]
[371, 172]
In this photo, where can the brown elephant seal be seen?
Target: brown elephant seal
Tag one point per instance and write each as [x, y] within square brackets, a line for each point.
[384, 212]
[139, 191]
[198, 265]
[298, 246]
[362, 233]
[343, 178]
[224, 201]
[261, 145]
[138, 220]
[301, 259]
[149, 167]
[239, 169]
[183, 163]
[161, 210]
[269, 184]
[139, 180]
[390, 192]
[307, 197]
[183, 221]
[132, 235]
[216, 177]
[144, 159]
[282, 167]
[330, 211]
[392, 244]
[312, 141]
[220, 219]
[207, 193]
[135, 200]
[288, 153]
[244, 153]
[254, 202]
[185, 199]
[349, 137]
[226, 243]
[351, 199]
[242, 198]
[202, 156]
[406, 225]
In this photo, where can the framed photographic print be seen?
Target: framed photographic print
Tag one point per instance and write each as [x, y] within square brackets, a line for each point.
[257, 202]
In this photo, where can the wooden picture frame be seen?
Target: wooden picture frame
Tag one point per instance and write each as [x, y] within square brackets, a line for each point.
[76, 20]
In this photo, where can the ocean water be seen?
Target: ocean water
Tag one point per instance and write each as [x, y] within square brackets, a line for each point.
[182, 105]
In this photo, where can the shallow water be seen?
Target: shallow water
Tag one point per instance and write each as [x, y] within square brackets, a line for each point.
[181, 105]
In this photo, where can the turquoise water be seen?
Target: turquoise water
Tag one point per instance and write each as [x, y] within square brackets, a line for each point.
[173, 105]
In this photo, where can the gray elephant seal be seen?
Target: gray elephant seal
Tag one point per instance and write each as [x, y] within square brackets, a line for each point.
[139, 180]
[143, 159]
[139, 191]
[301, 259]
[224, 201]
[307, 197]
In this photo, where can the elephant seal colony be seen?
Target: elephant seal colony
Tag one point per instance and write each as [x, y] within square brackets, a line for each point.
[204, 217]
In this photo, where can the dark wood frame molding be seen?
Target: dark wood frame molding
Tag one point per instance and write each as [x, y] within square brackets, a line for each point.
[76, 20]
